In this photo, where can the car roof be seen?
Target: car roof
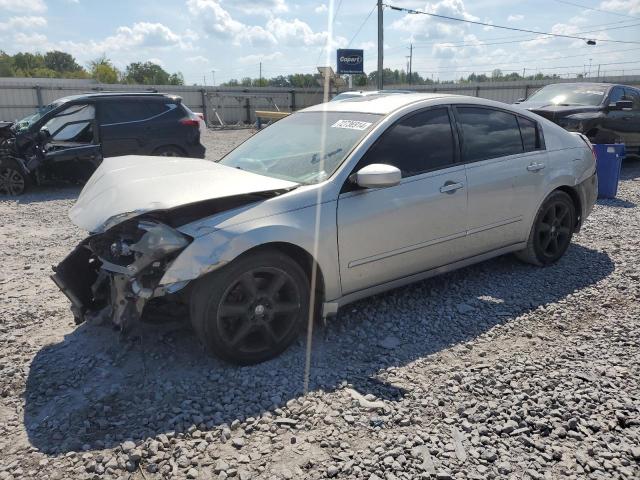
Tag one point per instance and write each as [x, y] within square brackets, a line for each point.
[381, 103]
[87, 96]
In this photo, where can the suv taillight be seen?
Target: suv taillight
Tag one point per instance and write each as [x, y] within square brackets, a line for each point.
[190, 122]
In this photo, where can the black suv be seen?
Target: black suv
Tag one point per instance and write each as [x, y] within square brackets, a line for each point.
[604, 112]
[68, 139]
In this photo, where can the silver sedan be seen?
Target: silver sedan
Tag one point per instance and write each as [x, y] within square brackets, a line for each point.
[332, 204]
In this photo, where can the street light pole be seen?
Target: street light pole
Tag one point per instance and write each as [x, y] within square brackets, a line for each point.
[213, 77]
[380, 46]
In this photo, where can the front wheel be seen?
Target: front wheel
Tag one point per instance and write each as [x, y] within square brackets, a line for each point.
[13, 180]
[252, 309]
[552, 230]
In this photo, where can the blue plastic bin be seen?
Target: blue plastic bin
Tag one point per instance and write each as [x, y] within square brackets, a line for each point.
[608, 163]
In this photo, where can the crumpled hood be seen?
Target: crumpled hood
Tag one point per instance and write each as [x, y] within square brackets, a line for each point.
[124, 187]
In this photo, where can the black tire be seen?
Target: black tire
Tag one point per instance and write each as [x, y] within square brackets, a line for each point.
[169, 151]
[13, 180]
[552, 230]
[252, 309]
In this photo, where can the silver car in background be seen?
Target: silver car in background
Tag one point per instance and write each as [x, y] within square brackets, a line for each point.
[329, 205]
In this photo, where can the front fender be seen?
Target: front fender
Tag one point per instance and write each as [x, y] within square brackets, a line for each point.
[216, 249]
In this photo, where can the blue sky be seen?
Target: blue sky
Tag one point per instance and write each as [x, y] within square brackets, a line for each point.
[289, 36]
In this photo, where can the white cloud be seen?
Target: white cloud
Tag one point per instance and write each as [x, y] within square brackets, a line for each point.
[261, 7]
[631, 7]
[197, 59]
[253, 59]
[141, 34]
[515, 18]
[423, 27]
[296, 32]
[367, 45]
[217, 21]
[156, 60]
[321, 8]
[30, 41]
[23, 6]
[23, 23]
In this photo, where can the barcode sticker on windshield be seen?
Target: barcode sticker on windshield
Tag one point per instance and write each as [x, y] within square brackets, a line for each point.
[351, 124]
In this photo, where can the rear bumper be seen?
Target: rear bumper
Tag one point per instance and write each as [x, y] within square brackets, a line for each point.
[196, 151]
[588, 192]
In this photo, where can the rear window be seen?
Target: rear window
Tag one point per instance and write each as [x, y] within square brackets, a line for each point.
[132, 111]
[530, 134]
[488, 133]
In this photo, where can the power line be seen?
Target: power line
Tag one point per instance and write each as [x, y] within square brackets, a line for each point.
[361, 26]
[552, 58]
[455, 19]
[537, 68]
[523, 38]
[595, 9]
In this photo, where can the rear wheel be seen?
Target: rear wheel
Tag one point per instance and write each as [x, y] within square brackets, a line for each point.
[552, 230]
[252, 309]
[13, 181]
[169, 151]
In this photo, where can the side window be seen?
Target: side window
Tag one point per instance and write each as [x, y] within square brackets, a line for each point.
[156, 108]
[415, 144]
[530, 135]
[74, 123]
[634, 96]
[616, 94]
[122, 112]
[488, 133]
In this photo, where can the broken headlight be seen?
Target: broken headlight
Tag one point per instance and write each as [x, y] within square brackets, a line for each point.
[134, 246]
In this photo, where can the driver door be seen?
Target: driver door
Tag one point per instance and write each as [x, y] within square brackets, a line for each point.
[72, 149]
[385, 234]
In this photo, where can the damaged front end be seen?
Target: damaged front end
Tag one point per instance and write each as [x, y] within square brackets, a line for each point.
[112, 275]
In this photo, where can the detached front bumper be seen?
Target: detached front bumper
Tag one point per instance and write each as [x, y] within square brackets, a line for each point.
[112, 276]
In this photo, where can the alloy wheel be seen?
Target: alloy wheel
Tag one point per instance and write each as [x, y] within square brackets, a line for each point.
[11, 181]
[258, 311]
[554, 229]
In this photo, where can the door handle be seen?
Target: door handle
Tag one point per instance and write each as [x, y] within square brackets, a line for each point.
[535, 167]
[451, 187]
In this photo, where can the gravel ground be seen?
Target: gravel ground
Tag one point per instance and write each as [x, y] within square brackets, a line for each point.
[500, 370]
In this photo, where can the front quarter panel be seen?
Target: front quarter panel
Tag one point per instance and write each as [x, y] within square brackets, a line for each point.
[312, 228]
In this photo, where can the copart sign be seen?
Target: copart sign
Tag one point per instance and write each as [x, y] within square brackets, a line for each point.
[350, 61]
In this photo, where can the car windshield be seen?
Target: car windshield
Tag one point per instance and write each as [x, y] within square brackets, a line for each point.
[569, 95]
[306, 147]
[26, 122]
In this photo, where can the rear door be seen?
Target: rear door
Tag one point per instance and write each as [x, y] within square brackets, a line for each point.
[505, 161]
[134, 126]
[389, 233]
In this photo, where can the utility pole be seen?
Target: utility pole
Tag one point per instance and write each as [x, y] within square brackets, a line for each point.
[380, 46]
[410, 63]
[260, 81]
[204, 79]
[598, 71]
[213, 77]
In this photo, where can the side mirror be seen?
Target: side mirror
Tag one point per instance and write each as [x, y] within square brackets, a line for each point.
[520, 100]
[377, 175]
[622, 105]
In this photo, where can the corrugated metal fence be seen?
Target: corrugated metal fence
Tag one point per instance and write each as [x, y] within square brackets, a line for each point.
[20, 97]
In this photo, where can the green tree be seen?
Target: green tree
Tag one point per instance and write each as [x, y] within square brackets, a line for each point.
[149, 73]
[27, 62]
[103, 70]
[6, 65]
[61, 62]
